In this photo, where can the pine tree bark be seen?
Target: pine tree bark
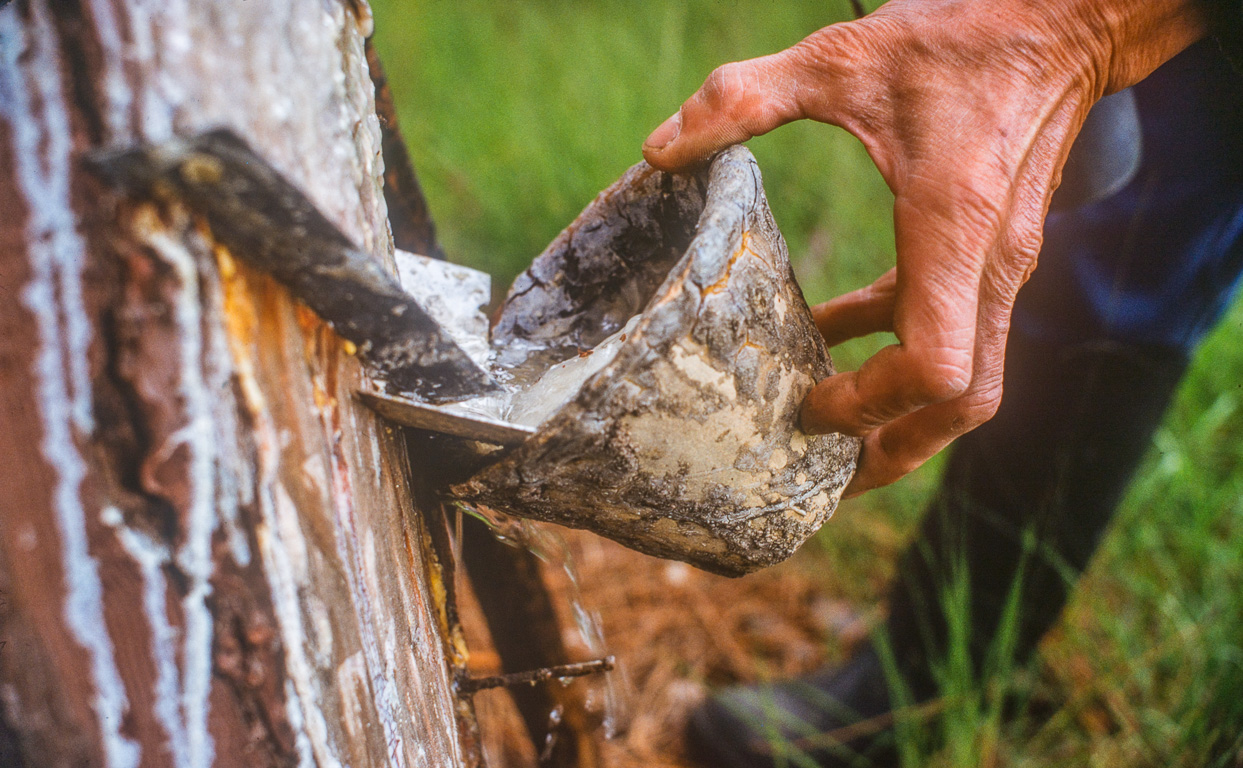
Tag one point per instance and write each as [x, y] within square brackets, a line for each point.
[209, 552]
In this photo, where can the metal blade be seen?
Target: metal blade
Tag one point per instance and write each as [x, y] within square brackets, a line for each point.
[445, 418]
[266, 221]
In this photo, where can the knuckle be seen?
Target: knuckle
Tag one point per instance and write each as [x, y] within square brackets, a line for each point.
[1027, 247]
[985, 409]
[976, 413]
[978, 204]
[828, 50]
[839, 67]
[975, 408]
[726, 85]
[987, 398]
[751, 94]
[849, 45]
[940, 374]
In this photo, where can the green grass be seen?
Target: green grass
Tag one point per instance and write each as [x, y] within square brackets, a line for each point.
[519, 113]
[1159, 620]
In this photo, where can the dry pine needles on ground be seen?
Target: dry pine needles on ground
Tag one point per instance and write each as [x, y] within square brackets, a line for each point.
[676, 632]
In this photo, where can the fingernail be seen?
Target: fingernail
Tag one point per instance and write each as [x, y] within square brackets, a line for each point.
[665, 133]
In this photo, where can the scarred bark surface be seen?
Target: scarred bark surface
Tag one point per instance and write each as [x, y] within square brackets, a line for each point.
[208, 552]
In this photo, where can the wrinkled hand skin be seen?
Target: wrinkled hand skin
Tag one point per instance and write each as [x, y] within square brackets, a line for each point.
[968, 108]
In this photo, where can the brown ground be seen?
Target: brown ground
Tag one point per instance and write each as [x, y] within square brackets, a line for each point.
[676, 632]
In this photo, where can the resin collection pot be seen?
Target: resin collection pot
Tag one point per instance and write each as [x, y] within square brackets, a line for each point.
[660, 349]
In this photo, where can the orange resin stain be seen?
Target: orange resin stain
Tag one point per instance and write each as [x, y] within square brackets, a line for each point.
[241, 322]
[744, 247]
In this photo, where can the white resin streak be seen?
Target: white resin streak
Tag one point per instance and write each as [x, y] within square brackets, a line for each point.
[117, 96]
[193, 558]
[233, 484]
[278, 537]
[41, 148]
[361, 575]
[152, 556]
[213, 489]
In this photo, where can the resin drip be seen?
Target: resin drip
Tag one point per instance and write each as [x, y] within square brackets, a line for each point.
[608, 693]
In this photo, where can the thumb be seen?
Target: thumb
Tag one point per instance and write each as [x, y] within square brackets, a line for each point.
[737, 101]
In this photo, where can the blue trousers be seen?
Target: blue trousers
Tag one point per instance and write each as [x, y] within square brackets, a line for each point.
[1125, 288]
[1158, 261]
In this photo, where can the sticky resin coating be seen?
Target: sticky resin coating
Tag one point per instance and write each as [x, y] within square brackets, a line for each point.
[662, 348]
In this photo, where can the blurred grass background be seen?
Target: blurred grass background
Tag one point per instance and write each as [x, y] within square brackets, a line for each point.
[517, 114]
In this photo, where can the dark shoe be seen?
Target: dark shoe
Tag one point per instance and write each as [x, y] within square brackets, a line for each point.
[840, 717]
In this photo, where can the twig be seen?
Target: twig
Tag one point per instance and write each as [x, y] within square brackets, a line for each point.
[468, 685]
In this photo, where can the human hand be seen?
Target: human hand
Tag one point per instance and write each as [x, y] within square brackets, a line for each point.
[968, 108]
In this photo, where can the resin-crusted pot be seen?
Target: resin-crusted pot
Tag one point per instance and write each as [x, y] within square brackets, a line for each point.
[686, 444]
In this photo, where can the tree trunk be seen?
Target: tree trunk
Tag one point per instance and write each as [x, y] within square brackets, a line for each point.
[209, 553]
